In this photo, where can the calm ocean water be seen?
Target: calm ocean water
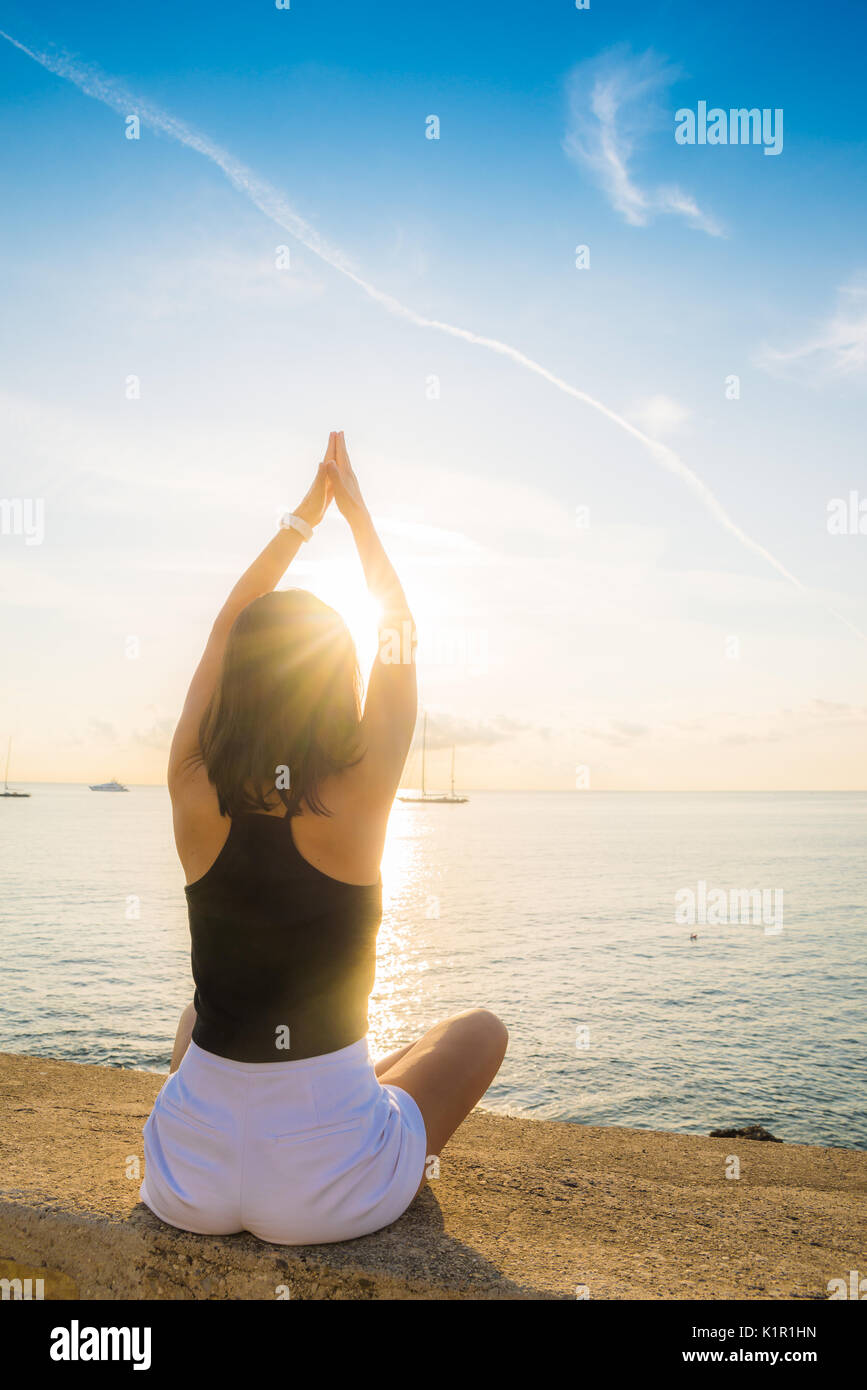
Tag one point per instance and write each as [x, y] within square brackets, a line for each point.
[557, 910]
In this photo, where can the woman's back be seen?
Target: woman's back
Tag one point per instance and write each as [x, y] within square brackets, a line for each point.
[283, 955]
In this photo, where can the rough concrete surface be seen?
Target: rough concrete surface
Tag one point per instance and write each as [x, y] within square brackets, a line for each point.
[523, 1209]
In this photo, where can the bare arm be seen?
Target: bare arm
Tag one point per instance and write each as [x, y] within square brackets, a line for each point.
[392, 698]
[262, 576]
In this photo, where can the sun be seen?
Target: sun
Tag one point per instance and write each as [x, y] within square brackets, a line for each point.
[343, 589]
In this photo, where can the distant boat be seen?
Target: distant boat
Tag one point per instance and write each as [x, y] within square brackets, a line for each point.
[438, 798]
[112, 786]
[6, 791]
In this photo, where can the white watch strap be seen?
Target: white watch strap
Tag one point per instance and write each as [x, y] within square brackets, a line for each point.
[290, 522]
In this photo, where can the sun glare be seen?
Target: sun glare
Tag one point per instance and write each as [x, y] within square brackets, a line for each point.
[343, 589]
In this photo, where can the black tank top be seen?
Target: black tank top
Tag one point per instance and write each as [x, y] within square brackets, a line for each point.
[283, 956]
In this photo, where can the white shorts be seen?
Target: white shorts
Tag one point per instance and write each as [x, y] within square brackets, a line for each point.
[298, 1153]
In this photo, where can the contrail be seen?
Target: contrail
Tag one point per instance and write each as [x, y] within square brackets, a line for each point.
[275, 206]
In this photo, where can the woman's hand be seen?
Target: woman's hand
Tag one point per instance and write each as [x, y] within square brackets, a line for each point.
[315, 504]
[344, 484]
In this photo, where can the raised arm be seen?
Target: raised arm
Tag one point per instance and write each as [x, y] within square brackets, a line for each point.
[262, 576]
[392, 698]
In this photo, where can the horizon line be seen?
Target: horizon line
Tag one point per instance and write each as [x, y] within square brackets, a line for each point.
[559, 791]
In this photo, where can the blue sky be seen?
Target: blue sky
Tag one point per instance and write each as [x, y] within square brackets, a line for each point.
[607, 647]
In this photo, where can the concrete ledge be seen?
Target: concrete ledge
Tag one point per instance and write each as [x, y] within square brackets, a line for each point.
[523, 1209]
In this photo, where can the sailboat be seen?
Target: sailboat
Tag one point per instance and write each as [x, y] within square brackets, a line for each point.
[439, 798]
[6, 791]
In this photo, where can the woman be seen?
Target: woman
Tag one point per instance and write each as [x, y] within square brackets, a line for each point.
[273, 1118]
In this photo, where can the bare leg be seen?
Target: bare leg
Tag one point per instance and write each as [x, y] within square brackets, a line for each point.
[449, 1069]
[183, 1036]
[389, 1060]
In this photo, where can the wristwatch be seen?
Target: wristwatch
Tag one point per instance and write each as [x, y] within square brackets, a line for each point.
[290, 522]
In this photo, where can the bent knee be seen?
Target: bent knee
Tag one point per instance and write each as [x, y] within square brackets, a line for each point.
[488, 1029]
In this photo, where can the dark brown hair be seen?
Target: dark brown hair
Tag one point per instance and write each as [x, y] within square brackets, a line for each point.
[289, 695]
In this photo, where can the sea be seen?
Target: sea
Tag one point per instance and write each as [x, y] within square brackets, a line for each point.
[676, 961]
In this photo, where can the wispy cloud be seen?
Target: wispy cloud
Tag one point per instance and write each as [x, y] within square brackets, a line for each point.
[159, 734]
[419, 534]
[816, 717]
[636, 85]
[102, 729]
[447, 730]
[613, 103]
[838, 348]
[618, 733]
[660, 415]
[729, 729]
